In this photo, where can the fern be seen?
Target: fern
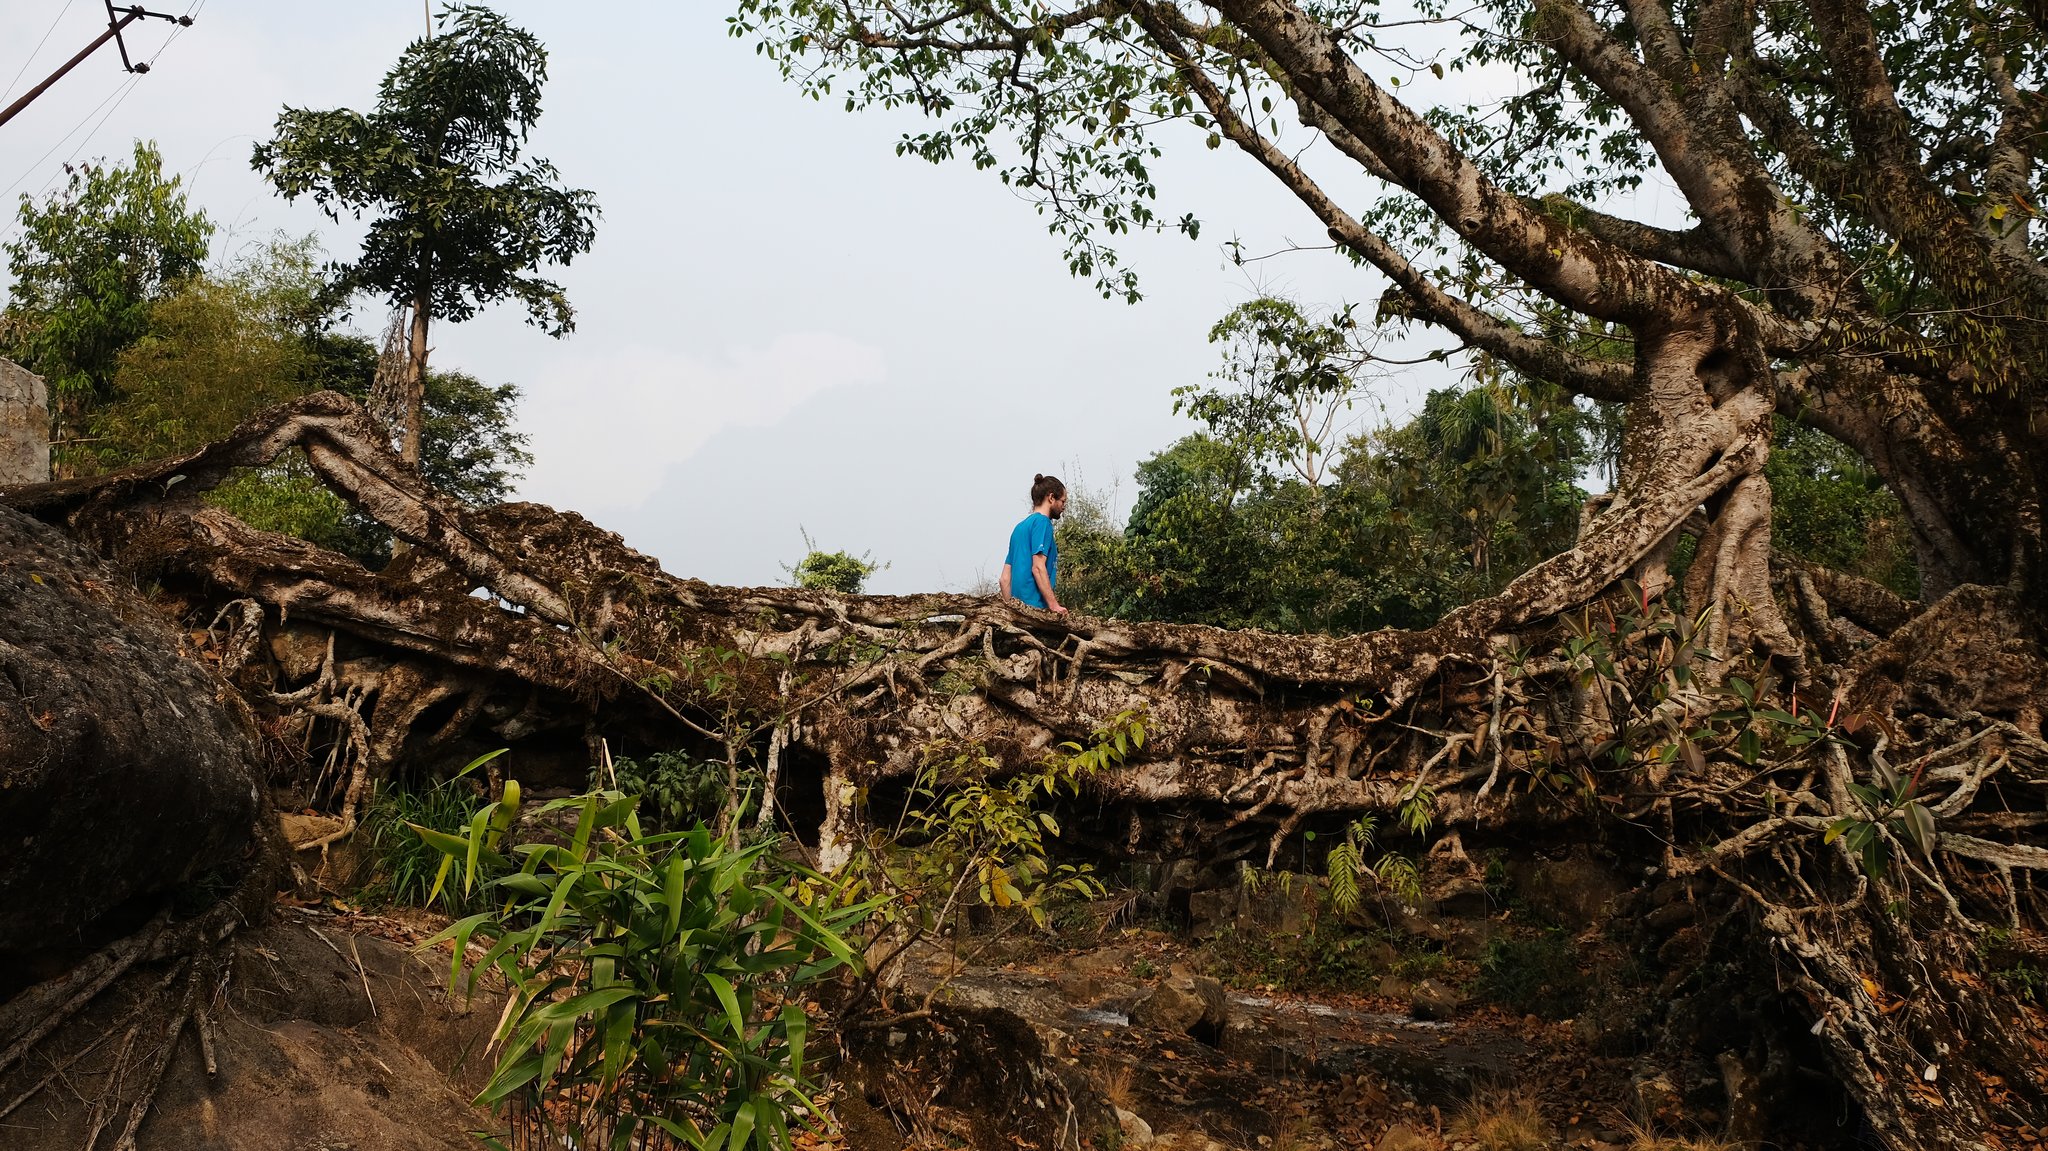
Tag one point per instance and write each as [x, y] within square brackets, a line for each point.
[1346, 862]
[1398, 874]
[1418, 811]
[1344, 865]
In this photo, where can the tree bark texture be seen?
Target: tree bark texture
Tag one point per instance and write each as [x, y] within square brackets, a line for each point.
[415, 395]
[517, 626]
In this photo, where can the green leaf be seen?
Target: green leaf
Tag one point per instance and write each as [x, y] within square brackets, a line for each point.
[478, 825]
[742, 1127]
[440, 877]
[509, 1078]
[1750, 745]
[672, 891]
[479, 761]
[1920, 828]
[795, 1026]
[722, 987]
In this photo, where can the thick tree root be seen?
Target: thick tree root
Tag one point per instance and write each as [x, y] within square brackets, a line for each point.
[1253, 738]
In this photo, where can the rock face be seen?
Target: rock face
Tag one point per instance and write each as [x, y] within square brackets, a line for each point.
[126, 770]
[24, 426]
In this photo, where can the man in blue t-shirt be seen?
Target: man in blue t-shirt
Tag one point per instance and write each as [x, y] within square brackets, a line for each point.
[1032, 568]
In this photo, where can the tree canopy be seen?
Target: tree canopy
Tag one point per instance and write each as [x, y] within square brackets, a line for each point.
[90, 262]
[1863, 253]
[460, 218]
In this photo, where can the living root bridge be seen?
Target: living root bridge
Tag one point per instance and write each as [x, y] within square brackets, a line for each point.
[520, 626]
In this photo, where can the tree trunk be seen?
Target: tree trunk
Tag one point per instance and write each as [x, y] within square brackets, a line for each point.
[415, 401]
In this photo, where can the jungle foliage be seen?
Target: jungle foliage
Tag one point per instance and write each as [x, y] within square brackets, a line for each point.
[658, 978]
[1283, 515]
[89, 264]
[153, 349]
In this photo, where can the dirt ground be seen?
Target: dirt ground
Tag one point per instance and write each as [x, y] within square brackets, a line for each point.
[333, 1036]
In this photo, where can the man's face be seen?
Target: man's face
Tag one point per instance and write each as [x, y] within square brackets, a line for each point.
[1056, 507]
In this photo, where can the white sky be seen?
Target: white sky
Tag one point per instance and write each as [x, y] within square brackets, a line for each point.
[782, 324]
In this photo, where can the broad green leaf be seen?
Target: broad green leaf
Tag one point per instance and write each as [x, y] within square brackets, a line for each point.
[722, 987]
[742, 1127]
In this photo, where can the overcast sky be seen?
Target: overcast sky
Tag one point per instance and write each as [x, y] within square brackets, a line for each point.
[782, 327]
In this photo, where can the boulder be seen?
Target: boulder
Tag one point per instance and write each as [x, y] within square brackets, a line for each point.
[1136, 1132]
[126, 769]
[1189, 1004]
[24, 426]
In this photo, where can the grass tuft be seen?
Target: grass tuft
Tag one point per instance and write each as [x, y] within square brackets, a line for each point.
[402, 866]
[1504, 1121]
[1642, 1139]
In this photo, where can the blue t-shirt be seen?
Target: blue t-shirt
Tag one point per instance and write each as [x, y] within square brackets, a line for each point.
[1032, 536]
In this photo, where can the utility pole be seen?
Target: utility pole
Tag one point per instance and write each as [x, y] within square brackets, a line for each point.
[115, 23]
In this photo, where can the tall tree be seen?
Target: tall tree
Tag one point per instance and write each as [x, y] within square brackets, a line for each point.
[1864, 254]
[89, 263]
[1867, 254]
[462, 220]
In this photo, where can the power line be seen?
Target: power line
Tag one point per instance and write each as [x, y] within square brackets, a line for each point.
[117, 97]
[19, 72]
[115, 25]
[66, 138]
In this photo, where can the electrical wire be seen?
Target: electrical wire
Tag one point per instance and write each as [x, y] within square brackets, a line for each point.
[65, 139]
[118, 96]
[23, 70]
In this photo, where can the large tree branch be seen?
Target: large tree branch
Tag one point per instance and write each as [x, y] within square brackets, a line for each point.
[1696, 249]
[348, 449]
[1571, 267]
[1885, 417]
[1898, 195]
[1682, 108]
[2008, 178]
[1543, 359]
[919, 35]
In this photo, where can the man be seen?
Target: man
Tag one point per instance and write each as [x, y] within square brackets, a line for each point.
[1031, 569]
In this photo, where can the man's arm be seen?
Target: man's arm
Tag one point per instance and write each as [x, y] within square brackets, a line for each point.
[1043, 579]
[1003, 588]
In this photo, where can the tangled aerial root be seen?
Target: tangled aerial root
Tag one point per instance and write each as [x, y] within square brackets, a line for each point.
[506, 624]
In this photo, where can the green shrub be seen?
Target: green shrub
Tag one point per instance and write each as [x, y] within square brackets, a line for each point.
[970, 834]
[676, 789]
[1536, 976]
[657, 980]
